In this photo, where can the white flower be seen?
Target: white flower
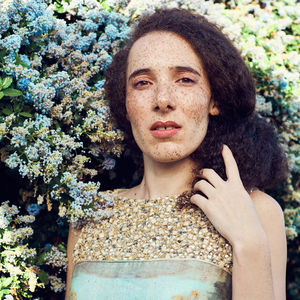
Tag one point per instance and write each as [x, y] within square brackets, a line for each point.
[56, 284]
[13, 270]
[40, 200]
[62, 211]
[32, 281]
[3, 222]
[26, 219]
[56, 258]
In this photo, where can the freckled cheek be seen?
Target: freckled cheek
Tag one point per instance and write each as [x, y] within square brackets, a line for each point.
[198, 112]
[135, 112]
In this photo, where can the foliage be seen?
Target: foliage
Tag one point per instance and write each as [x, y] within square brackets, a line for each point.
[19, 272]
[55, 126]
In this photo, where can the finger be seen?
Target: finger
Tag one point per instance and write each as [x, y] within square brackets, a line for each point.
[212, 176]
[231, 167]
[205, 187]
[200, 201]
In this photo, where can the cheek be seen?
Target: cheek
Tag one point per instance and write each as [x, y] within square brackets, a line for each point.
[197, 111]
[135, 112]
[196, 105]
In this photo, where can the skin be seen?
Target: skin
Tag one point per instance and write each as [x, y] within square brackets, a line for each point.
[252, 223]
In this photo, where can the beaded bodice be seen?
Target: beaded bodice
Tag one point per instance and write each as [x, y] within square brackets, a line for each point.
[152, 229]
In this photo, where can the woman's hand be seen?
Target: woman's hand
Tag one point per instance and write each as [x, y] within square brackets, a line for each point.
[228, 205]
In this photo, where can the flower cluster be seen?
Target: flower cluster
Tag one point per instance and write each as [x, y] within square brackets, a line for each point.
[16, 256]
[59, 68]
[56, 284]
[56, 258]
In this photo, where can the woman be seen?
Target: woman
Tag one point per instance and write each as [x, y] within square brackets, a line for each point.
[184, 96]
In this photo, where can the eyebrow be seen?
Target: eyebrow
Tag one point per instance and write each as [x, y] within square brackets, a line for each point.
[137, 72]
[188, 69]
[177, 68]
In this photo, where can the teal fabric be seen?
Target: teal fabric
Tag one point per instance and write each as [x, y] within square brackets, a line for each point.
[172, 279]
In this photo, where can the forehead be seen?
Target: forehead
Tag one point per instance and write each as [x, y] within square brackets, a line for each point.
[161, 49]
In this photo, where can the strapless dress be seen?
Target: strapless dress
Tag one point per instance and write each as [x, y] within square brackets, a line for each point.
[151, 250]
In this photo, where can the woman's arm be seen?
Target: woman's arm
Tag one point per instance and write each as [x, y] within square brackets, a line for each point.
[72, 239]
[259, 268]
[254, 227]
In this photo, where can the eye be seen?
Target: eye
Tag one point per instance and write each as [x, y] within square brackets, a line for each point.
[186, 80]
[141, 83]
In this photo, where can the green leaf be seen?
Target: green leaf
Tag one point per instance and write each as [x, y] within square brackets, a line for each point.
[7, 111]
[62, 248]
[59, 9]
[41, 259]
[4, 292]
[17, 107]
[1, 95]
[20, 62]
[43, 276]
[25, 114]
[6, 82]
[296, 29]
[12, 92]
[7, 282]
[106, 6]
[2, 53]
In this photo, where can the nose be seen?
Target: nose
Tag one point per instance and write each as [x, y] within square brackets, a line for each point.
[164, 100]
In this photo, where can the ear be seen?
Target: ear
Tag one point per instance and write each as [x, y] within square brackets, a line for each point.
[213, 109]
[127, 117]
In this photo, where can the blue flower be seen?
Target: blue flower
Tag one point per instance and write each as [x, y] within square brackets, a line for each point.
[11, 43]
[108, 163]
[34, 9]
[99, 85]
[97, 16]
[47, 247]
[33, 209]
[22, 84]
[4, 23]
[283, 83]
[42, 25]
[112, 32]
[89, 25]
[25, 60]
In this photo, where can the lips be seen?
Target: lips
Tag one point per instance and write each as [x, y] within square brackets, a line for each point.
[164, 129]
[164, 125]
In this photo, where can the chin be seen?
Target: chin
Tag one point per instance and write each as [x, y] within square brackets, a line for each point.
[168, 156]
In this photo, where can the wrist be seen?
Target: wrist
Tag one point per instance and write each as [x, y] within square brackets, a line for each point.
[251, 247]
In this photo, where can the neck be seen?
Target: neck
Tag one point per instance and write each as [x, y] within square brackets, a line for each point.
[164, 179]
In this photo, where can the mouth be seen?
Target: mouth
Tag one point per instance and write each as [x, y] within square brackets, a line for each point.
[164, 125]
[164, 129]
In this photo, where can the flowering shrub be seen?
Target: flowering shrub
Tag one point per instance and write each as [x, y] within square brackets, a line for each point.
[55, 125]
[61, 122]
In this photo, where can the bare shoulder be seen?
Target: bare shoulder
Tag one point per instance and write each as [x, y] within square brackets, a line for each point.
[267, 207]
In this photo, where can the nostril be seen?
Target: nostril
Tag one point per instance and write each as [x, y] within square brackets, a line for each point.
[163, 108]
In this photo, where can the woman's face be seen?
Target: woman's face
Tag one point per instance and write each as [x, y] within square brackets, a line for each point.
[167, 96]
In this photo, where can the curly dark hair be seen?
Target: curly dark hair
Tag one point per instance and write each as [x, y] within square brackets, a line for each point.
[261, 160]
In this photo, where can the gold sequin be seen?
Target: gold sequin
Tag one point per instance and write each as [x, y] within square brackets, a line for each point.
[152, 229]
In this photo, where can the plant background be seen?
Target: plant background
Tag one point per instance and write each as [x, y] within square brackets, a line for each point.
[59, 147]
